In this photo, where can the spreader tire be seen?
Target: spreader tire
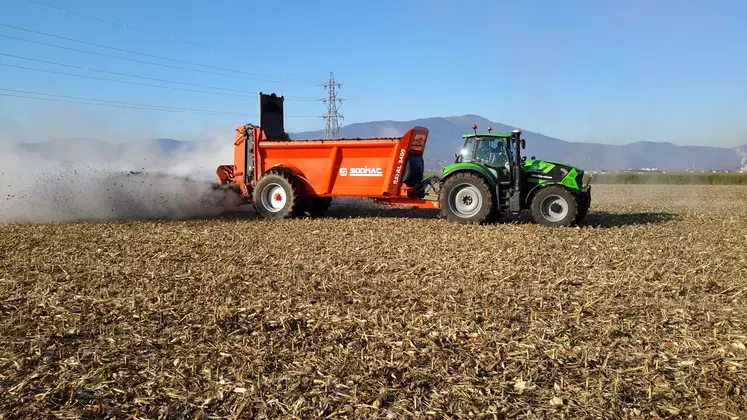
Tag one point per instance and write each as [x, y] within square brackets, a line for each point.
[319, 206]
[554, 206]
[313, 207]
[276, 195]
[466, 198]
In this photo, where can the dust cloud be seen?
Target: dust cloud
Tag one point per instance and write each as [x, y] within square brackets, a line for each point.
[139, 183]
[743, 154]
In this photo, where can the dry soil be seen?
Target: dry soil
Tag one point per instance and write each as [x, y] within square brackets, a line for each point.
[640, 313]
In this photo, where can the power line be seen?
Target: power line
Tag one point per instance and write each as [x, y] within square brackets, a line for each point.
[130, 27]
[294, 98]
[119, 81]
[120, 104]
[86, 68]
[332, 117]
[283, 80]
[105, 79]
[117, 104]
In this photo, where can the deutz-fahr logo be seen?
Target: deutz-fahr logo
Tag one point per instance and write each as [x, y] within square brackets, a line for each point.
[536, 175]
[364, 171]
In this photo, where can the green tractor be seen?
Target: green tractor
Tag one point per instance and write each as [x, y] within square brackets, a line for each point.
[490, 179]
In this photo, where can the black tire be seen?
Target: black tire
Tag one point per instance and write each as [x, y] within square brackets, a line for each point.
[319, 206]
[494, 216]
[583, 207]
[474, 194]
[550, 201]
[313, 207]
[269, 191]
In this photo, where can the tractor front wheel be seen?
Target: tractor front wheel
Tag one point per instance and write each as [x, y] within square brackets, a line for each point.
[584, 201]
[276, 195]
[554, 206]
[466, 198]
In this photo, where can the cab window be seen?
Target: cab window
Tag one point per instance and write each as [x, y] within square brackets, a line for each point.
[469, 147]
[491, 151]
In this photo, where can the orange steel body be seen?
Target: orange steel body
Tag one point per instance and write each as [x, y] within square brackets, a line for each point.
[368, 168]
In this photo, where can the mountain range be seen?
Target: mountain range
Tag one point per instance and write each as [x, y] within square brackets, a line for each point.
[443, 141]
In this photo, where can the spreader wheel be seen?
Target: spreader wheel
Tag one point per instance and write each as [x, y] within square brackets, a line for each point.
[554, 206]
[466, 198]
[312, 207]
[319, 206]
[276, 195]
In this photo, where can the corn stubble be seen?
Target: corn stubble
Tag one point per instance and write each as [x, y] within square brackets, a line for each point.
[640, 313]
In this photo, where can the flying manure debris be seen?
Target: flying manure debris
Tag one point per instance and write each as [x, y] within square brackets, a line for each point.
[64, 192]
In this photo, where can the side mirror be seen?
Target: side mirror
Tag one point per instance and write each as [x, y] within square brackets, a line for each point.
[523, 144]
[523, 159]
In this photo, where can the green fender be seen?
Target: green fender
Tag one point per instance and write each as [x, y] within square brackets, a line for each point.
[536, 188]
[461, 167]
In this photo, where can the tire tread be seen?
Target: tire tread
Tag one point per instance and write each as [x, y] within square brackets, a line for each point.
[486, 213]
[289, 183]
[554, 190]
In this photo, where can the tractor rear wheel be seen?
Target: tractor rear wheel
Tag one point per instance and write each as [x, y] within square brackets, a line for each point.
[276, 195]
[466, 198]
[554, 206]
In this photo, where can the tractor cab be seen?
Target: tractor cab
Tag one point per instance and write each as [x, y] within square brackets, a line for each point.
[494, 151]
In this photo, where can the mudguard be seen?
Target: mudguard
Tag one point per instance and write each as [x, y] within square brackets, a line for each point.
[461, 167]
[289, 169]
[536, 188]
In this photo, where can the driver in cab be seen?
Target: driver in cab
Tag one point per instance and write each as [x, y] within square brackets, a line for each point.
[493, 153]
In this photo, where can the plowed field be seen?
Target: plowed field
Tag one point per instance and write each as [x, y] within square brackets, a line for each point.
[371, 313]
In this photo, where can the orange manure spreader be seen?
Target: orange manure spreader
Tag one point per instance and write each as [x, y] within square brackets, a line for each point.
[286, 178]
[489, 178]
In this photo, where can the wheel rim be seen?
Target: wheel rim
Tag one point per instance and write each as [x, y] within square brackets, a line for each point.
[465, 200]
[273, 198]
[554, 208]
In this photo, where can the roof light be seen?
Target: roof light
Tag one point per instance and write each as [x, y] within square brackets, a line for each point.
[490, 129]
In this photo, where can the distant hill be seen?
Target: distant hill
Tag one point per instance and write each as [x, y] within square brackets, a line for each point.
[444, 140]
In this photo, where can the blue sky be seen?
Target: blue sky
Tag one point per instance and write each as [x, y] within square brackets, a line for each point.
[608, 71]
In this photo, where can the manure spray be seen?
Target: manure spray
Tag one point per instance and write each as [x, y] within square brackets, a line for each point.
[42, 189]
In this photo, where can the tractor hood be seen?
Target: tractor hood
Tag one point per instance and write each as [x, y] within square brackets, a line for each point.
[543, 171]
